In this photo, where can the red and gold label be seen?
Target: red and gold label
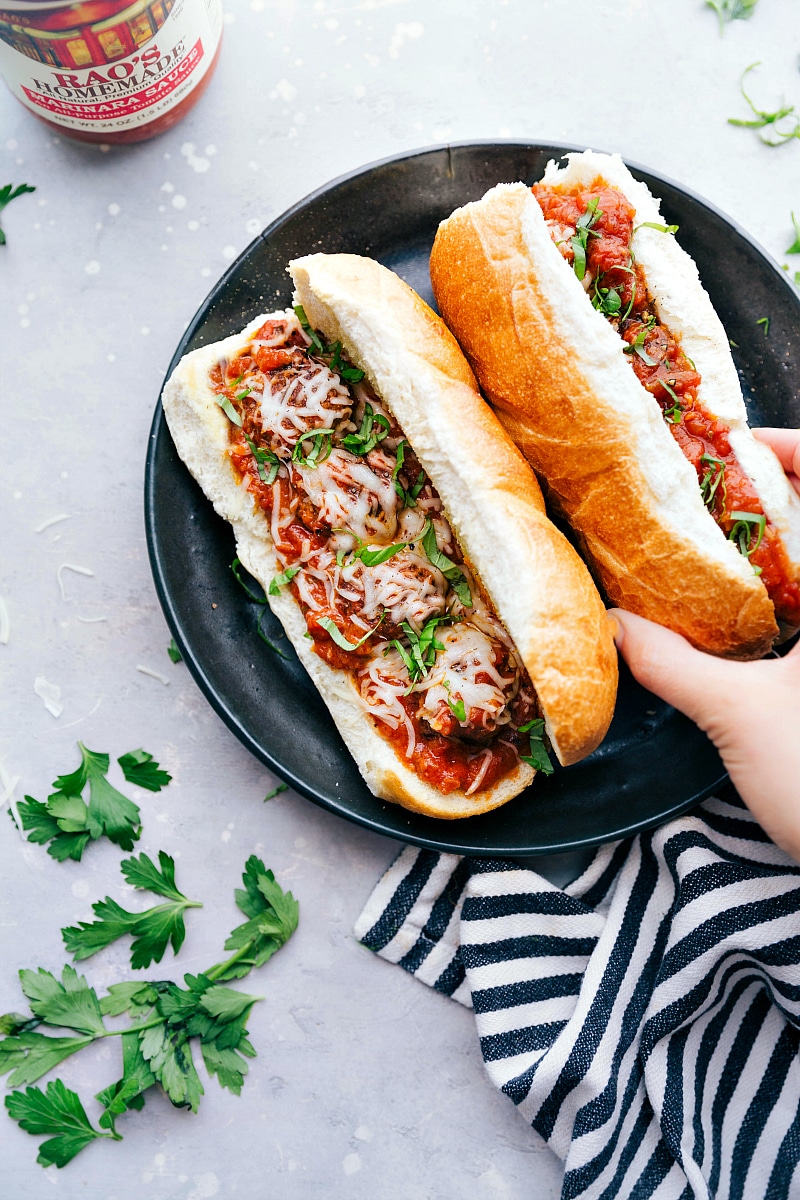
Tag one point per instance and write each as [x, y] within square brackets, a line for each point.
[105, 65]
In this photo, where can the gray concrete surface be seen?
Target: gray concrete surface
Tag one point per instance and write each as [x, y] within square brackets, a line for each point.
[366, 1084]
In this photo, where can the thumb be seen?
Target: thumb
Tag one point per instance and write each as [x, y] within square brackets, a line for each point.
[666, 664]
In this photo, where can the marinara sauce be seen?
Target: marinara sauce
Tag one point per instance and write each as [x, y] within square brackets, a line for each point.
[109, 71]
[617, 287]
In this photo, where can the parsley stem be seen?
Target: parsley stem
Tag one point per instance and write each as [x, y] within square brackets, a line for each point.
[222, 967]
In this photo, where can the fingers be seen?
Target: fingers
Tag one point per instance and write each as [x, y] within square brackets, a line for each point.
[785, 443]
[665, 663]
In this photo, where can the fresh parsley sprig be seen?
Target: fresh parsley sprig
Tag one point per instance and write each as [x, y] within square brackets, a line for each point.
[537, 756]
[8, 193]
[165, 1019]
[152, 930]
[68, 821]
[731, 10]
[452, 573]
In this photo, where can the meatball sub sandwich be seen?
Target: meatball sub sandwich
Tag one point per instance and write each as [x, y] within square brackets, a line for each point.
[401, 539]
[589, 330]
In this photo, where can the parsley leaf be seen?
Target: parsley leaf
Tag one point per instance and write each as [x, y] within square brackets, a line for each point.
[152, 930]
[58, 1113]
[174, 652]
[272, 919]
[453, 574]
[9, 193]
[276, 791]
[140, 768]
[71, 1003]
[731, 10]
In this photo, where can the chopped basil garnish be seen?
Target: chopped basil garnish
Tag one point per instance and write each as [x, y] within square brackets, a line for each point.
[338, 637]
[424, 645]
[373, 558]
[266, 474]
[675, 411]
[262, 600]
[374, 428]
[229, 410]
[347, 373]
[320, 447]
[637, 347]
[537, 757]
[765, 322]
[281, 580]
[174, 652]
[457, 707]
[316, 341]
[452, 573]
[746, 526]
[655, 225]
[580, 240]
[713, 477]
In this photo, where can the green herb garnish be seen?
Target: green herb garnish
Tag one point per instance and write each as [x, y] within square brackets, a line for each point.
[174, 652]
[320, 448]
[457, 707]
[580, 239]
[771, 119]
[537, 757]
[276, 791]
[452, 573]
[731, 10]
[374, 428]
[347, 373]
[68, 820]
[655, 225]
[316, 341]
[267, 462]
[9, 193]
[675, 411]
[408, 499]
[338, 637]
[765, 322]
[229, 410]
[423, 647]
[152, 930]
[795, 246]
[637, 347]
[261, 600]
[713, 477]
[164, 1018]
[747, 526]
[281, 580]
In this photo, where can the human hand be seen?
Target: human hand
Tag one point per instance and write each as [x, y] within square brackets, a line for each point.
[751, 712]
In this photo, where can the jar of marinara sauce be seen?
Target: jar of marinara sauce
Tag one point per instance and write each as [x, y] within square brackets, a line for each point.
[110, 71]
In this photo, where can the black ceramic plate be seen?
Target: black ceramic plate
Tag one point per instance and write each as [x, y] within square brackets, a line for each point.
[654, 763]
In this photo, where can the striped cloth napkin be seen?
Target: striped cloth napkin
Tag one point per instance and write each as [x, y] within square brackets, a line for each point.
[643, 1019]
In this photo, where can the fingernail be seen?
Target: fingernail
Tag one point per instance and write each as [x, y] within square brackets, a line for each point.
[618, 632]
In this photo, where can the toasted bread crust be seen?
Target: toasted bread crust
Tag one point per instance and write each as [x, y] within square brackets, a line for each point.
[556, 372]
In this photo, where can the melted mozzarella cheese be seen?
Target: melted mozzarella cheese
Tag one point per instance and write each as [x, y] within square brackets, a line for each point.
[407, 588]
[312, 398]
[350, 494]
[468, 653]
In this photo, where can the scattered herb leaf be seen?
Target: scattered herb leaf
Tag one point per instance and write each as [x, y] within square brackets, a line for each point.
[655, 225]
[537, 757]
[765, 322]
[795, 246]
[230, 412]
[316, 341]
[276, 791]
[141, 768]
[457, 707]
[58, 1113]
[267, 462]
[452, 573]
[338, 637]
[8, 193]
[764, 118]
[281, 580]
[174, 652]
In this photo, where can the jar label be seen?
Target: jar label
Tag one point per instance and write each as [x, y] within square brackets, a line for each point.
[106, 65]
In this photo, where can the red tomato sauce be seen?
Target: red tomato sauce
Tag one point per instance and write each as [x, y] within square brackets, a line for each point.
[665, 371]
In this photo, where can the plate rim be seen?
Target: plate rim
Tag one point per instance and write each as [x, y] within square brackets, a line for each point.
[175, 623]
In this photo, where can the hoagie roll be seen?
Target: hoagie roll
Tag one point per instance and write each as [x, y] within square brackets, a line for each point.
[588, 328]
[401, 538]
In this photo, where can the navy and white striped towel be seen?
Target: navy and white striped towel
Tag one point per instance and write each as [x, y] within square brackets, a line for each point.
[643, 1019]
